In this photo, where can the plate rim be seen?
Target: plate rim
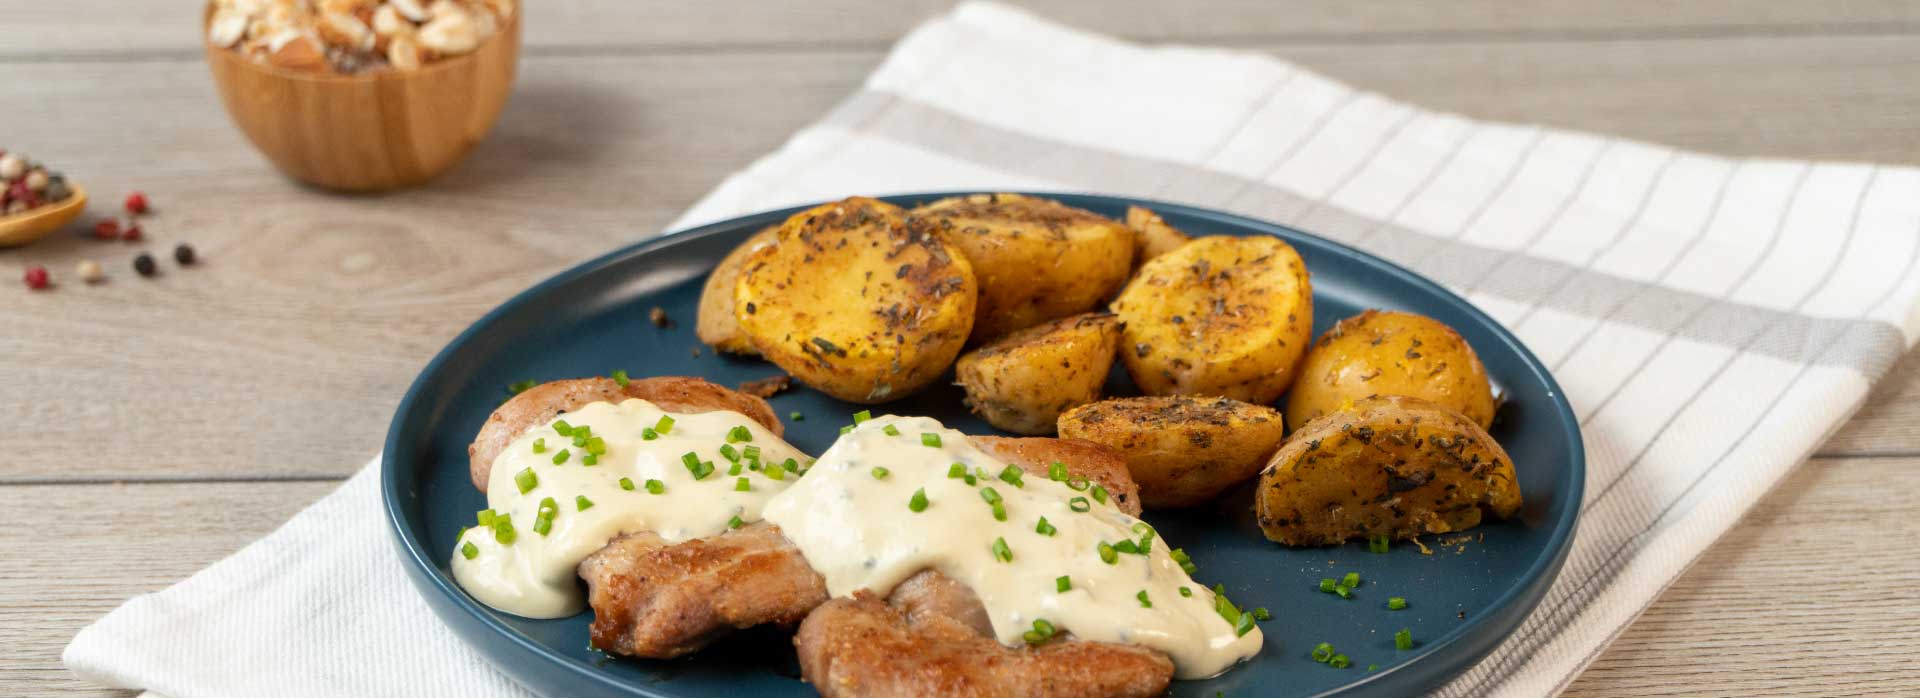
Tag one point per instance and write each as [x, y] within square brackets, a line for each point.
[1436, 661]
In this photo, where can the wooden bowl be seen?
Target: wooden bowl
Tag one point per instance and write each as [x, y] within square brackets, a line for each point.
[29, 226]
[375, 131]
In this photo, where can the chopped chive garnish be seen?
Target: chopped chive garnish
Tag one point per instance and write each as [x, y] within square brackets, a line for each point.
[1000, 550]
[664, 426]
[503, 529]
[742, 485]
[1063, 584]
[970, 480]
[848, 429]
[795, 416]
[483, 518]
[999, 511]
[1107, 553]
[1373, 667]
[621, 378]
[751, 453]
[583, 430]
[1396, 603]
[626, 484]
[1327, 584]
[648, 434]
[791, 465]
[930, 439]
[1126, 545]
[1224, 606]
[735, 468]
[589, 459]
[1344, 592]
[469, 551]
[1185, 562]
[581, 503]
[862, 415]
[1403, 640]
[1044, 528]
[1351, 581]
[562, 428]
[774, 473]
[1184, 591]
[989, 494]
[730, 453]
[597, 446]
[956, 471]
[1080, 504]
[1099, 494]
[1322, 652]
[890, 430]
[880, 473]
[547, 509]
[561, 457]
[735, 522]
[656, 487]
[526, 480]
[540, 445]
[1042, 631]
[1377, 544]
[1057, 472]
[1262, 613]
[1244, 625]
[1079, 484]
[1144, 601]
[739, 434]
[1011, 475]
[543, 525]
[1339, 661]
[518, 387]
[919, 501]
[705, 469]
[579, 438]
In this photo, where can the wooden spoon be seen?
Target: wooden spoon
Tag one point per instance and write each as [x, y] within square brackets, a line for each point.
[28, 226]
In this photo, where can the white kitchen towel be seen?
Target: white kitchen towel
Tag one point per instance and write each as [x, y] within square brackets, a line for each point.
[1711, 319]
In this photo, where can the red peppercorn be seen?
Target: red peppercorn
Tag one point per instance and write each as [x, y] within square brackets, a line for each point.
[136, 203]
[36, 277]
[131, 233]
[107, 229]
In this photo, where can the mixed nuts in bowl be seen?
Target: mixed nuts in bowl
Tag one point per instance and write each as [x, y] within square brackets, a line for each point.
[349, 37]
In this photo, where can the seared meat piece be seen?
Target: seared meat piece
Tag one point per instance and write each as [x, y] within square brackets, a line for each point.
[1093, 461]
[656, 600]
[863, 648]
[540, 403]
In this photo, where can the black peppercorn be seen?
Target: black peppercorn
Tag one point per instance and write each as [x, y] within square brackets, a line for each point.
[144, 264]
[183, 253]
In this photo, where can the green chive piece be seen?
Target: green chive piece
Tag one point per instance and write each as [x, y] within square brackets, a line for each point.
[919, 501]
[930, 439]
[1080, 504]
[526, 480]
[956, 471]
[791, 465]
[469, 551]
[848, 429]
[690, 459]
[581, 503]
[751, 453]
[1322, 652]
[621, 378]
[742, 485]
[1327, 585]
[1373, 667]
[547, 509]
[1396, 603]
[1057, 472]
[1100, 494]
[1377, 544]
[989, 494]
[970, 480]
[880, 473]
[1403, 640]
[562, 428]
[503, 532]
[1351, 581]
[999, 511]
[540, 445]
[484, 518]
[1186, 563]
[583, 430]
[862, 415]
[730, 453]
[735, 468]
[1244, 625]
[1186, 592]
[795, 416]
[561, 457]
[1042, 631]
[890, 430]
[1000, 550]
[1144, 601]
[664, 426]
[626, 484]
[1224, 606]
[1127, 546]
[1079, 484]
[1262, 614]
[1063, 584]
[590, 459]
[705, 469]
[656, 487]
[735, 522]
[1012, 476]
[1339, 661]
[739, 434]
[1344, 592]
[542, 525]
[597, 446]
[1044, 528]
[1107, 553]
[774, 473]
[579, 438]
[518, 387]
[648, 434]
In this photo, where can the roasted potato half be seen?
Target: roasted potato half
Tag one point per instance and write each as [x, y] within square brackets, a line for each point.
[1181, 450]
[1387, 466]
[852, 302]
[1152, 236]
[1219, 316]
[1023, 381]
[717, 325]
[1037, 259]
[1390, 353]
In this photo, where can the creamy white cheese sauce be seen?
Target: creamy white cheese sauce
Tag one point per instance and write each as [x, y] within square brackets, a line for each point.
[859, 532]
[533, 574]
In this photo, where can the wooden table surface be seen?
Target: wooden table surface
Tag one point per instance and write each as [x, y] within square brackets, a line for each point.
[154, 426]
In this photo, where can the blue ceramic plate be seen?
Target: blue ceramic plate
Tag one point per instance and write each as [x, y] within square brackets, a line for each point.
[1463, 598]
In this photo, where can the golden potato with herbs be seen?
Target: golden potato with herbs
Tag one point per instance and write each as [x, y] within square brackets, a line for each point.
[1152, 236]
[716, 324]
[852, 302]
[1182, 450]
[1023, 381]
[1390, 353]
[1388, 466]
[1220, 315]
[1036, 259]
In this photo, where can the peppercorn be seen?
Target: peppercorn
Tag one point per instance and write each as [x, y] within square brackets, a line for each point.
[183, 253]
[90, 271]
[36, 277]
[107, 229]
[144, 264]
[136, 203]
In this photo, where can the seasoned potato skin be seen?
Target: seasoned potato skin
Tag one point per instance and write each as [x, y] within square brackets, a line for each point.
[1390, 353]
[1181, 450]
[1037, 259]
[536, 405]
[1219, 316]
[1390, 465]
[852, 302]
[1023, 381]
[1152, 236]
[716, 324]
